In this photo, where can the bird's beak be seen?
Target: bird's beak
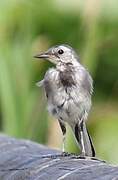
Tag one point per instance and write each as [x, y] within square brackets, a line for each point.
[42, 55]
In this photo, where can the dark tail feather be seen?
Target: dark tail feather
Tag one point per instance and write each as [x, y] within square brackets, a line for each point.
[88, 145]
[92, 147]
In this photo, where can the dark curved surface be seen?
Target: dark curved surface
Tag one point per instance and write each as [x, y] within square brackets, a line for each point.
[26, 160]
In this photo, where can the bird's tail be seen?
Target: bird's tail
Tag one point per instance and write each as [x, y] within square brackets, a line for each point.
[84, 140]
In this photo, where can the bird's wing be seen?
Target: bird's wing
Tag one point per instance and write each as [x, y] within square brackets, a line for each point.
[81, 93]
[84, 81]
[40, 83]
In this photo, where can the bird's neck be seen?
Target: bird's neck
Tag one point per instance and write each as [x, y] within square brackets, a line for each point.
[61, 66]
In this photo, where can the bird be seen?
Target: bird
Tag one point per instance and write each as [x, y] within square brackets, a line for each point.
[68, 87]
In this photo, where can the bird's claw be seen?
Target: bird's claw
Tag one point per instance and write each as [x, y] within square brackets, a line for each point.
[66, 154]
[88, 158]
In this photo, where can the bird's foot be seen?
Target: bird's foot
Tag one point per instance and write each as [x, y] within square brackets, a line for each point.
[60, 155]
[66, 154]
[73, 156]
[88, 158]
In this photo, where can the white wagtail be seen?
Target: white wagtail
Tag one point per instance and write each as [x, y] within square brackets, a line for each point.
[68, 89]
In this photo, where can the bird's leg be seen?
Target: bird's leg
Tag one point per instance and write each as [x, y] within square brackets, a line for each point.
[63, 145]
[83, 153]
[63, 128]
[84, 140]
[80, 137]
[82, 143]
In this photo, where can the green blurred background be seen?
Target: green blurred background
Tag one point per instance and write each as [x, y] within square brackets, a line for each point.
[28, 27]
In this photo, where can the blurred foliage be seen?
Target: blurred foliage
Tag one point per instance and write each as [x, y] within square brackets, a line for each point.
[27, 27]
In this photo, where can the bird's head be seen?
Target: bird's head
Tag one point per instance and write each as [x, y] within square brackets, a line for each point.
[59, 54]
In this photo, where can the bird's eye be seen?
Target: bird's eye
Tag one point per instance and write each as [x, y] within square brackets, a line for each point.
[60, 51]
